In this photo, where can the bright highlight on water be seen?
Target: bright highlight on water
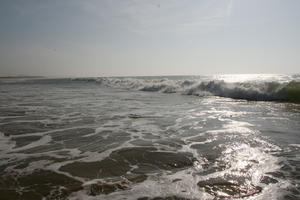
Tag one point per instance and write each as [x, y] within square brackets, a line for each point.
[177, 137]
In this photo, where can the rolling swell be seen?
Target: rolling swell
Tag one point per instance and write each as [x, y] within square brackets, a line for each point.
[254, 91]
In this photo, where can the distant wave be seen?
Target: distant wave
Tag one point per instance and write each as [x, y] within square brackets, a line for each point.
[257, 91]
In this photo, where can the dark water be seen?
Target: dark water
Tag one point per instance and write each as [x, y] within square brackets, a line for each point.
[112, 139]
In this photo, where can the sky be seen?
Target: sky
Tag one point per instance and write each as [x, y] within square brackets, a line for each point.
[148, 37]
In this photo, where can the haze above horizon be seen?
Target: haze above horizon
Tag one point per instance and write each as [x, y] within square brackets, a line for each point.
[142, 38]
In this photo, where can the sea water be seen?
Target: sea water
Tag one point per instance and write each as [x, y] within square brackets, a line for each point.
[178, 137]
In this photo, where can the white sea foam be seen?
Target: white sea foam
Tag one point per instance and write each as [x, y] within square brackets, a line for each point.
[267, 89]
[6, 144]
[157, 185]
[42, 141]
[295, 145]
[221, 134]
[184, 183]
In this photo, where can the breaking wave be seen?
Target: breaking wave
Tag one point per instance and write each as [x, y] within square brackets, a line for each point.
[256, 91]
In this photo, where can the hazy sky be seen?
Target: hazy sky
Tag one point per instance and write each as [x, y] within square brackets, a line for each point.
[148, 37]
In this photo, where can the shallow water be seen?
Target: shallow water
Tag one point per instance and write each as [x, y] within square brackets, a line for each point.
[109, 138]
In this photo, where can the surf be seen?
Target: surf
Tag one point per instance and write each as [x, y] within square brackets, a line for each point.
[253, 90]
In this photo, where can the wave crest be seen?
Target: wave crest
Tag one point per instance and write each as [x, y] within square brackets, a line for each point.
[256, 91]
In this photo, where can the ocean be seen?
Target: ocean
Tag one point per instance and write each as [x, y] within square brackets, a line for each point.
[151, 138]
